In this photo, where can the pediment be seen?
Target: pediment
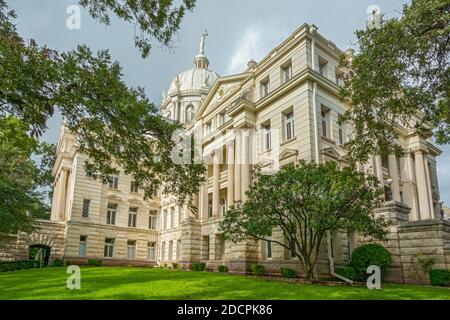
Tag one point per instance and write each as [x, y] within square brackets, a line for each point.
[113, 196]
[287, 153]
[135, 200]
[331, 153]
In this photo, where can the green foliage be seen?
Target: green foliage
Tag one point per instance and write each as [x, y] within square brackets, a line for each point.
[174, 265]
[348, 272]
[117, 126]
[400, 75]
[439, 277]
[304, 202]
[198, 266]
[95, 263]
[223, 269]
[257, 269]
[18, 265]
[156, 19]
[288, 273]
[370, 254]
[57, 263]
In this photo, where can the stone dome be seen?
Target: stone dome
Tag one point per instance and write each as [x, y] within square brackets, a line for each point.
[193, 79]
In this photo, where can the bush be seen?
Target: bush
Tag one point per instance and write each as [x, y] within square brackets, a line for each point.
[257, 269]
[174, 265]
[288, 273]
[370, 254]
[199, 266]
[223, 269]
[57, 263]
[95, 263]
[348, 272]
[439, 277]
[18, 265]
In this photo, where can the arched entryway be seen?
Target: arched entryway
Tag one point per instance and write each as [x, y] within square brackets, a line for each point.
[39, 252]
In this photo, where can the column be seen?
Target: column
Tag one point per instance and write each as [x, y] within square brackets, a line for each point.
[393, 172]
[61, 195]
[422, 187]
[430, 193]
[245, 175]
[237, 167]
[216, 184]
[379, 170]
[230, 163]
[204, 212]
[409, 188]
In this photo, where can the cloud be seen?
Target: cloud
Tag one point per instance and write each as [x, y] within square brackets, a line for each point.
[256, 41]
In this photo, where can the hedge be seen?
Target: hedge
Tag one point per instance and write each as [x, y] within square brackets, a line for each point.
[223, 269]
[288, 273]
[439, 277]
[199, 266]
[18, 265]
[257, 269]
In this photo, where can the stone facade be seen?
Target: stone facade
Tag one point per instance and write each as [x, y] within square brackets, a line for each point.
[276, 112]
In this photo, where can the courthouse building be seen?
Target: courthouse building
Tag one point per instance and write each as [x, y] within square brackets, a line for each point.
[280, 110]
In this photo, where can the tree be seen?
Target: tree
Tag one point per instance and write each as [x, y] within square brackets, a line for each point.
[116, 126]
[22, 198]
[400, 74]
[302, 203]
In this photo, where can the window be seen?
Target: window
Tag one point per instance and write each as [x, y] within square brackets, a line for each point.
[269, 249]
[172, 217]
[341, 136]
[289, 125]
[325, 122]
[111, 213]
[286, 72]
[155, 191]
[83, 241]
[221, 118]
[132, 217]
[131, 249]
[113, 181]
[210, 208]
[134, 187]
[170, 250]
[223, 206]
[109, 248]
[189, 113]
[151, 255]
[152, 219]
[322, 66]
[265, 88]
[266, 137]
[86, 205]
[208, 128]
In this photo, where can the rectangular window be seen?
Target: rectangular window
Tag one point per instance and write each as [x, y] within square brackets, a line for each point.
[269, 249]
[155, 191]
[83, 242]
[172, 217]
[131, 249]
[221, 118]
[109, 248]
[286, 72]
[151, 251]
[266, 137]
[111, 213]
[322, 66]
[163, 251]
[265, 88]
[113, 181]
[289, 125]
[132, 217]
[134, 187]
[325, 122]
[341, 136]
[152, 219]
[86, 205]
[208, 127]
[210, 208]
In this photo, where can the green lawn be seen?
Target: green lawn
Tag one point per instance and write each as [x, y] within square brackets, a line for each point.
[146, 283]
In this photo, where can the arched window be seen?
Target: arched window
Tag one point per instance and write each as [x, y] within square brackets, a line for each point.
[169, 115]
[189, 113]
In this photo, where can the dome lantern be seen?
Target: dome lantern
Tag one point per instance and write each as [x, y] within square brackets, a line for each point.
[201, 61]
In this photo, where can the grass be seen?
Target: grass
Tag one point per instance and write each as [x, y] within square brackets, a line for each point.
[146, 283]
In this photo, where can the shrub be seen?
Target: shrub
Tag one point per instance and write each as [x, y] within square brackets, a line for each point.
[18, 265]
[199, 266]
[288, 273]
[257, 269]
[223, 269]
[95, 263]
[348, 272]
[174, 265]
[439, 277]
[57, 263]
[370, 254]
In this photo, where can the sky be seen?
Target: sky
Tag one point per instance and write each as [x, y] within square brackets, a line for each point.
[239, 30]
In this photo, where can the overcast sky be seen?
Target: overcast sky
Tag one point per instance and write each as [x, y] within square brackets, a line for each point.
[239, 30]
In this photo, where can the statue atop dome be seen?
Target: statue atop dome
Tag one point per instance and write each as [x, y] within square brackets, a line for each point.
[201, 61]
[202, 42]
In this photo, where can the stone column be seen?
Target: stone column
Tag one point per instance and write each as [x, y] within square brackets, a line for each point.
[409, 187]
[245, 164]
[237, 167]
[430, 193]
[216, 185]
[230, 163]
[393, 172]
[379, 170]
[61, 200]
[422, 186]
[204, 210]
